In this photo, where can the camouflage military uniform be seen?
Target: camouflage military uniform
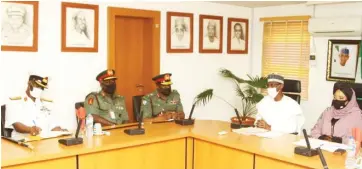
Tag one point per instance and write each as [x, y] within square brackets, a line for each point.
[102, 105]
[153, 104]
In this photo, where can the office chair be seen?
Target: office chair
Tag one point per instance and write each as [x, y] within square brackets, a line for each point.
[357, 87]
[77, 115]
[292, 88]
[136, 102]
[4, 131]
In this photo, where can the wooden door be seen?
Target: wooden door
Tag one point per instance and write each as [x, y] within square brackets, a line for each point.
[134, 51]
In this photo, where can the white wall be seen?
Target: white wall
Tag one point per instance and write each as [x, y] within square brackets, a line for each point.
[73, 74]
[320, 90]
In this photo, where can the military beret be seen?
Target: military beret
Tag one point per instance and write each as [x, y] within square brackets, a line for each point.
[164, 79]
[275, 78]
[106, 75]
[41, 81]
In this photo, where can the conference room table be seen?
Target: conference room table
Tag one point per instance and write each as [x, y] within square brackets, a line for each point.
[166, 146]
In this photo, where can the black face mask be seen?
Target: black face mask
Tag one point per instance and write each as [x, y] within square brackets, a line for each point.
[339, 104]
[110, 89]
[165, 91]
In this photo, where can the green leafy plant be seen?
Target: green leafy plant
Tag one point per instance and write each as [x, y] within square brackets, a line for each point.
[249, 94]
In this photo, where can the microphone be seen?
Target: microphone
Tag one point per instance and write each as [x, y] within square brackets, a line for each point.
[189, 121]
[76, 140]
[305, 151]
[139, 130]
[325, 166]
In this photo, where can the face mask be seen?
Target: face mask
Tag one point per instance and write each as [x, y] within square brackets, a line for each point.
[339, 104]
[110, 89]
[272, 92]
[165, 91]
[36, 93]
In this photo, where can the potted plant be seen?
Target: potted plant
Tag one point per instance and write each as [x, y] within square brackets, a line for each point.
[249, 95]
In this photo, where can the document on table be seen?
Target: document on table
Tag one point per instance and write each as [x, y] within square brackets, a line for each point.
[51, 134]
[257, 132]
[324, 145]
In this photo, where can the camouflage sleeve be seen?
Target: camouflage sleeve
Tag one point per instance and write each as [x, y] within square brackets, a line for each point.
[146, 107]
[124, 111]
[91, 105]
[179, 103]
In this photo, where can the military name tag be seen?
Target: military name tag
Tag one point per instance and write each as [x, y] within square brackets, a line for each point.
[111, 114]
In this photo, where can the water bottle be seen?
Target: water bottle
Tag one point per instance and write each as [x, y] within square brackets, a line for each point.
[351, 152]
[89, 125]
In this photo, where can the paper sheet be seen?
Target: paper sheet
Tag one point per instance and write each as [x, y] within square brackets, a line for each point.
[51, 134]
[324, 145]
[257, 132]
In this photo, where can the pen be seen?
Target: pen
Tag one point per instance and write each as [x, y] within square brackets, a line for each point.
[34, 123]
[18, 142]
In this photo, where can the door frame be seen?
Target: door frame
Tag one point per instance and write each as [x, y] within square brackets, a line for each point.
[113, 12]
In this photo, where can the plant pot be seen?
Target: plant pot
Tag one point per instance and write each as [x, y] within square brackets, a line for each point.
[245, 122]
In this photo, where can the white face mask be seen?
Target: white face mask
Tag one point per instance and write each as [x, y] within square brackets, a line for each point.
[36, 92]
[272, 92]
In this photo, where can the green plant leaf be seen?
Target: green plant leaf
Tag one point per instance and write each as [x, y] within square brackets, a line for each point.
[204, 97]
[238, 90]
[228, 74]
[258, 82]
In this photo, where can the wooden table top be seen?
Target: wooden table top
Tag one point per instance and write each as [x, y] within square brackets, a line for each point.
[280, 148]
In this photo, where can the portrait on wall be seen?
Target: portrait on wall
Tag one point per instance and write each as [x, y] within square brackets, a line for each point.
[210, 35]
[79, 27]
[238, 36]
[342, 60]
[179, 32]
[19, 27]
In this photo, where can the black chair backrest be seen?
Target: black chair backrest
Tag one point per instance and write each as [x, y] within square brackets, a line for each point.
[136, 102]
[292, 88]
[3, 120]
[4, 131]
[77, 106]
[357, 87]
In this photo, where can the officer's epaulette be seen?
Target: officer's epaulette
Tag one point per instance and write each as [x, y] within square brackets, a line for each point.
[15, 98]
[46, 100]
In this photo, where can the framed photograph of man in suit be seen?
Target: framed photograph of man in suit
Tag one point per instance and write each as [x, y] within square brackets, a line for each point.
[342, 60]
[238, 31]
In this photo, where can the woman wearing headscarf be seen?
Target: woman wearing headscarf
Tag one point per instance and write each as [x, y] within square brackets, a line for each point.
[336, 122]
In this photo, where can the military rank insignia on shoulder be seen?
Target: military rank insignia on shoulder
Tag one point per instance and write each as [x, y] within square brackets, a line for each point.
[15, 98]
[46, 100]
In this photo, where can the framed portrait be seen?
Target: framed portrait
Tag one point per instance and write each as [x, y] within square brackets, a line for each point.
[238, 35]
[342, 60]
[210, 36]
[19, 27]
[79, 27]
[180, 32]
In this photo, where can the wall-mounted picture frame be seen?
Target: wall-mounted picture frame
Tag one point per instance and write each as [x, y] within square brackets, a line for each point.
[210, 34]
[342, 60]
[180, 32]
[238, 36]
[79, 27]
[19, 27]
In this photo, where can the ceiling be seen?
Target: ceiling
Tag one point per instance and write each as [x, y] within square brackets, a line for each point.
[255, 4]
